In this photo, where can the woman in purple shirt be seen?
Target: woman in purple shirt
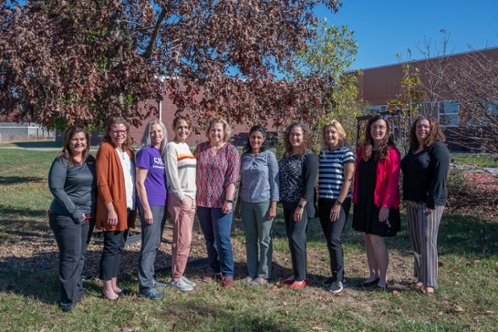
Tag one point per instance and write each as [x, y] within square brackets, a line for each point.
[151, 185]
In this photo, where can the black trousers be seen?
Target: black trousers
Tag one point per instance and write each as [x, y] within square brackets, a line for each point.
[296, 233]
[72, 240]
[333, 231]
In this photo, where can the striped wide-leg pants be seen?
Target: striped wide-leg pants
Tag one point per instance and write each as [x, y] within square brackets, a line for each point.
[423, 229]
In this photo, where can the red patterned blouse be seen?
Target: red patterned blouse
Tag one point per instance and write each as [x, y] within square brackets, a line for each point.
[215, 173]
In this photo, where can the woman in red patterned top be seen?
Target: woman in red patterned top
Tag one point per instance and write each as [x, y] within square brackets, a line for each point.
[218, 165]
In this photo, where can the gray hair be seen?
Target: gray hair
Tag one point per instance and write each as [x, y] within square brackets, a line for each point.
[146, 136]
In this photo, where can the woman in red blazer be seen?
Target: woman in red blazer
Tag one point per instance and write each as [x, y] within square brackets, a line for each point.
[376, 197]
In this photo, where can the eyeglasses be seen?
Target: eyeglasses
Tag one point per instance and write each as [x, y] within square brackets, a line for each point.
[118, 132]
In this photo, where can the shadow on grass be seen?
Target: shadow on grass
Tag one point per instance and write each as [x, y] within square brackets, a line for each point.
[39, 144]
[11, 180]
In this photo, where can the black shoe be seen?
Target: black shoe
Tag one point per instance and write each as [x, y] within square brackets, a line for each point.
[370, 283]
[330, 280]
[336, 287]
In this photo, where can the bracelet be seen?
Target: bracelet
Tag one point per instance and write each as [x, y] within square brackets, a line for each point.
[300, 206]
[229, 201]
[338, 202]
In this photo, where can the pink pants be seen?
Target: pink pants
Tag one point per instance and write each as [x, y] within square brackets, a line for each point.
[182, 214]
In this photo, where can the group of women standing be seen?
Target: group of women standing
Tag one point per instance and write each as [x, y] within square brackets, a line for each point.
[107, 191]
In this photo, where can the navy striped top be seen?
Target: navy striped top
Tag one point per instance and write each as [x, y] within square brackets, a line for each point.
[331, 171]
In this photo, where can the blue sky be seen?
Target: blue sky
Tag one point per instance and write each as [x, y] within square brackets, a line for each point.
[385, 28]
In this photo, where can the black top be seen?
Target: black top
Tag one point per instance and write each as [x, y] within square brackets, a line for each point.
[297, 180]
[424, 175]
[74, 188]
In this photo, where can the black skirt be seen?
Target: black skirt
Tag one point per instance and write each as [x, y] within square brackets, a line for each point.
[365, 212]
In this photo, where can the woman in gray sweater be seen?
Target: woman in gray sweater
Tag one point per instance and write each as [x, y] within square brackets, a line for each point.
[257, 203]
[72, 182]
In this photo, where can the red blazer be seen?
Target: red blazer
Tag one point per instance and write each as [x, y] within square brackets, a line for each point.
[111, 188]
[386, 192]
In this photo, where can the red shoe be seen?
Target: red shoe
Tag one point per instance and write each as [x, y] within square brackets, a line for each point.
[211, 277]
[289, 280]
[227, 282]
[298, 284]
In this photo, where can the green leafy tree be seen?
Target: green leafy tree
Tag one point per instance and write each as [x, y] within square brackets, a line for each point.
[328, 56]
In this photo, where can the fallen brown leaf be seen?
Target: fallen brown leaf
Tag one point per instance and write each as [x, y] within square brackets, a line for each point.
[458, 309]
[440, 264]
[396, 293]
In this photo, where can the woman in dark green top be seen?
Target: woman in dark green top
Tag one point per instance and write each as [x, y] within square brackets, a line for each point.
[72, 182]
[425, 169]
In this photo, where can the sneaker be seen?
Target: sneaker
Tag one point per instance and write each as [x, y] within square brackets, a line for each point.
[336, 287]
[181, 285]
[227, 282]
[188, 282]
[247, 280]
[157, 284]
[152, 294]
[330, 280]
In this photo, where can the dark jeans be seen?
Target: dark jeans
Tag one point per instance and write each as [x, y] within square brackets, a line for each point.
[333, 231]
[296, 233]
[72, 240]
[114, 243]
[151, 241]
[216, 227]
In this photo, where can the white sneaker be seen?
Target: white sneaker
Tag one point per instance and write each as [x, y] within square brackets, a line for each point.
[188, 282]
[181, 285]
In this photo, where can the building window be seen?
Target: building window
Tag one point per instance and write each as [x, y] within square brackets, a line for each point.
[449, 113]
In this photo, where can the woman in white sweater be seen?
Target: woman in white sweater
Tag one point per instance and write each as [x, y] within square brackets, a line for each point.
[180, 174]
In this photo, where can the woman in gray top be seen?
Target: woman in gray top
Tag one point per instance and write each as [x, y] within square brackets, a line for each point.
[72, 182]
[257, 203]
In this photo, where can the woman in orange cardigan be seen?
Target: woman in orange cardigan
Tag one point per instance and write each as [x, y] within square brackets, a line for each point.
[116, 209]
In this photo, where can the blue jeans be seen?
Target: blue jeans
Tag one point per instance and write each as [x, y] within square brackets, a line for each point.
[216, 227]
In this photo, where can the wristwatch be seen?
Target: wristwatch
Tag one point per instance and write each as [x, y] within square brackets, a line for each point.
[300, 206]
[338, 202]
[229, 201]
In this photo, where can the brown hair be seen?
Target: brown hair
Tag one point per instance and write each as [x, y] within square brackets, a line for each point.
[184, 118]
[66, 148]
[107, 133]
[227, 130]
[340, 129]
[384, 145]
[307, 142]
[435, 134]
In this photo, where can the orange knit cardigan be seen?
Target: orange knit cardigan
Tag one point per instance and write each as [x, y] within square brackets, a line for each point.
[111, 188]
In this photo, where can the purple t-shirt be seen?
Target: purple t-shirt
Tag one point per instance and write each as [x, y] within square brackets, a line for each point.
[155, 183]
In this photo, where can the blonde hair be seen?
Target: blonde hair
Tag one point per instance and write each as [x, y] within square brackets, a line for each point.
[227, 130]
[340, 129]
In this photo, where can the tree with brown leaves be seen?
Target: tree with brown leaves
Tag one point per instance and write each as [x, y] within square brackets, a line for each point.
[67, 61]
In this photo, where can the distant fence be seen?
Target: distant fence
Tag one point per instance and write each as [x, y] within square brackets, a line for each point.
[21, 132]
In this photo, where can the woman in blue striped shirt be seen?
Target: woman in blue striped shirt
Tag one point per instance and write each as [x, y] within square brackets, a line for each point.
[336, 170]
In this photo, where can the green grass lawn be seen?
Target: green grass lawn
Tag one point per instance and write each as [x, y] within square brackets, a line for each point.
[466, 298]
[478, 160]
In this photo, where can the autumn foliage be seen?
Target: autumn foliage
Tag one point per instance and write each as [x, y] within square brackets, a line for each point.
[82, 61]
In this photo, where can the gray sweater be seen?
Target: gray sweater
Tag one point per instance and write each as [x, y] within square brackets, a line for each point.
[74, 188]
[259, 177]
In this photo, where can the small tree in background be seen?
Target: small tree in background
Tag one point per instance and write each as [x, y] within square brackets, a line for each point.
[328, 57]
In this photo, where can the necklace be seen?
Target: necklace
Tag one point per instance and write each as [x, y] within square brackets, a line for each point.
[122, 153]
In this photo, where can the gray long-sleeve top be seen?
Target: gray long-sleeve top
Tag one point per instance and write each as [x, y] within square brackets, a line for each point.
[259, 177]
[74, 188]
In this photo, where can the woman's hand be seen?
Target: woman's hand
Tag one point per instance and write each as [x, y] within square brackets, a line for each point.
[429, 210]
[335, 212]
[148, 217]
[383, 214]
[298, 214]
[112, 218]
[272, 213]
[227, 207]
